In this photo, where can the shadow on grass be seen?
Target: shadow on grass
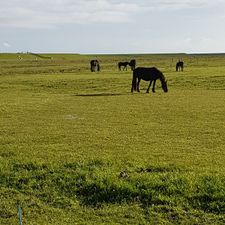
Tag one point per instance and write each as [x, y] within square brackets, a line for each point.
[99, 94]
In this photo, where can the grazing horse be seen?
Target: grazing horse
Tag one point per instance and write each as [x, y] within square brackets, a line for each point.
[179, 66]
[132, 64]
[148, 74]
[95, 65]
[123, 64]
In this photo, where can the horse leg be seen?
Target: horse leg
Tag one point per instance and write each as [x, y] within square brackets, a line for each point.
[153, 88]
[132, 88]
[133, 85]
[138, 83]
[149, 86]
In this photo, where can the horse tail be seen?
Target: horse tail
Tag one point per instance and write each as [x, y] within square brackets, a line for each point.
[134, 82]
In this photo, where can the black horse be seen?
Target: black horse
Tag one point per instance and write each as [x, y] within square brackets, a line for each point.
[95, 65]
[123, 64]
[132, 64]
[179, 66]
[148, 74]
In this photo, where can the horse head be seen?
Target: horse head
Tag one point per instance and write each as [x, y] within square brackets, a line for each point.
[164, 86]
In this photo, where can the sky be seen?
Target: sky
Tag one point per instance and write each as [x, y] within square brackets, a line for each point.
[112, 26]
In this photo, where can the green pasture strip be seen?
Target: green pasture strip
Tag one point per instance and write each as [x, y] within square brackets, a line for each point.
[67, 134]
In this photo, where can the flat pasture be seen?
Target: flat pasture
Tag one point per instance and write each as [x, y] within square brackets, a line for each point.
[67, 134]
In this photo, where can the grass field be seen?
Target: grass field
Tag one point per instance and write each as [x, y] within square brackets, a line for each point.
[67, 134]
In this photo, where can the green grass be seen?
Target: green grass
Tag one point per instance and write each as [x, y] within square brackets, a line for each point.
[66, 134]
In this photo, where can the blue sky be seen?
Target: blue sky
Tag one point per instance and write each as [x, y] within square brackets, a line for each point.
[112, 26]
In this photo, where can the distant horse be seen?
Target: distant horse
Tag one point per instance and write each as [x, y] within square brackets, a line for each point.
[132, 64]
[148, 74]
[123, 64]
[179, 66]
[95, 65]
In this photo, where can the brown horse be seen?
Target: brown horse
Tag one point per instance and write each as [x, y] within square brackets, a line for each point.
[132, 64]
[179, 66]
[95, 65]
[148, 74]
[123, 64]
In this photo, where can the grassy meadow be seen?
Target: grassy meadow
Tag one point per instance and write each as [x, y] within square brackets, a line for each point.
[67, 134]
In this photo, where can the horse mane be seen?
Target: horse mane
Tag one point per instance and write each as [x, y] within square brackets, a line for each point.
[162, 77]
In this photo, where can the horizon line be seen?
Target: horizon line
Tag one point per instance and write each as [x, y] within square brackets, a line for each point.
[131, 53]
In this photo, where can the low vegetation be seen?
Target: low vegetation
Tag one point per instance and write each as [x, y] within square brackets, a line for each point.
[78, 148]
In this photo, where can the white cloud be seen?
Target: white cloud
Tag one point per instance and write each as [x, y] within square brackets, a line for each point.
[51, 13]
[139, 25]
[182, 4]
[7, 45]
[42, 13]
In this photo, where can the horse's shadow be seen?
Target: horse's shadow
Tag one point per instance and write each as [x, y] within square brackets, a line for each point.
[98, 94]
